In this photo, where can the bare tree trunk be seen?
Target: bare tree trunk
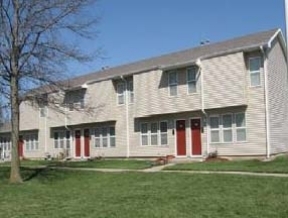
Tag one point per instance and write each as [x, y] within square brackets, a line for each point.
[15, 176]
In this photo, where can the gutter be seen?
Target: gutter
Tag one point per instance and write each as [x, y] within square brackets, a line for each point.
[199, 64]
[268, 144]
[127, 117]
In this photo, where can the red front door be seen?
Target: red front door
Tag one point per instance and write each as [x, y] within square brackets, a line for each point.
[196, 136]
[181, 137]
[86, 142]
[20, 146]
[78, 143]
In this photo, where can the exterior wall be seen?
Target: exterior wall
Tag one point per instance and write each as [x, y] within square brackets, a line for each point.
[170, 149]
[152, 94]
[255, 119]
[224, 81]
[278, 99]
[226, 90]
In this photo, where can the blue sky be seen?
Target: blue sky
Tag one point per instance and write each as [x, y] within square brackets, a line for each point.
[131, 30]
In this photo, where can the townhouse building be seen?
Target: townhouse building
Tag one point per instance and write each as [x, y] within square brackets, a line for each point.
[229, 97]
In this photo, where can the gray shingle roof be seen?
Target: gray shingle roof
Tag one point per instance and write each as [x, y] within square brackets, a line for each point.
[189, 55]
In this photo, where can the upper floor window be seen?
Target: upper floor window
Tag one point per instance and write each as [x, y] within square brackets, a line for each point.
[173, 82]
[192, 79]
[121, 92]
[254, 70]
[131, 91]
[75, 100]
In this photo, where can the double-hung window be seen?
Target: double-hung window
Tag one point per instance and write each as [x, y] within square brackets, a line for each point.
[254, 70]
[131, 91]
[192, 79]
[62, 139]
[144, 133]
[121, 92]
[214, 129]
[227, 128]
[31, 142]
[164, 133]
[105, 137]
[154, 133]
[240, 127]
[173, 83]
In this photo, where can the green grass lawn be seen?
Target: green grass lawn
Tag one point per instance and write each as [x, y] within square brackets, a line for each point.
[104, 163]
[69, 194]
[278, 165]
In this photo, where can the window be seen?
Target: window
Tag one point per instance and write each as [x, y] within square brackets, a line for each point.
[163, 133]
[97, 134]
[231, 129]
[152, 134]
[31, 142]
[192, 80]
[75, 100]
[227, 128]
[121, 93]
[144, 133]
[254, 69]
[131, 91]
[62, 139]
[172, 81]
[112, 136]
[240, 127]
[214, 129]
[105, 137]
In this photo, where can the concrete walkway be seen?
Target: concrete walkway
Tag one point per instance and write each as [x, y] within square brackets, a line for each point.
[161, 167]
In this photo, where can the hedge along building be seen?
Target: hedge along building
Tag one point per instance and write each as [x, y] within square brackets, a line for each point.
[229, 97]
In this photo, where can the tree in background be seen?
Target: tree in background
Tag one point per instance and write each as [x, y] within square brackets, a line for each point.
[35, 45]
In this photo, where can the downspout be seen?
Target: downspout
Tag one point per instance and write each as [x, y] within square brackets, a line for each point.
[199, 64]
[127, 117]
[268, 146]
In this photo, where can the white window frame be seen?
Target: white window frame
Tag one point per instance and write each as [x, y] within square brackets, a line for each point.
[144, 134]
[215, 129]
[101, 138]
[62, 139]
[122, 94]
[31, 142]
[172, 83]
[226, 128]
[241, 127]
[158, 133]
[163, 133]
[155, 134]
[255, 71]
[131, 91]
[192, 81]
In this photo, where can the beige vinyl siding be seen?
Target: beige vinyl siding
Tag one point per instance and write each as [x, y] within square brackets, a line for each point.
[152, 94]
[278, 99]
[255, 120]
[224, 81]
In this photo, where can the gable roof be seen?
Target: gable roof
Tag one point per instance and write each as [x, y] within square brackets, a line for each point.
[244, 43]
